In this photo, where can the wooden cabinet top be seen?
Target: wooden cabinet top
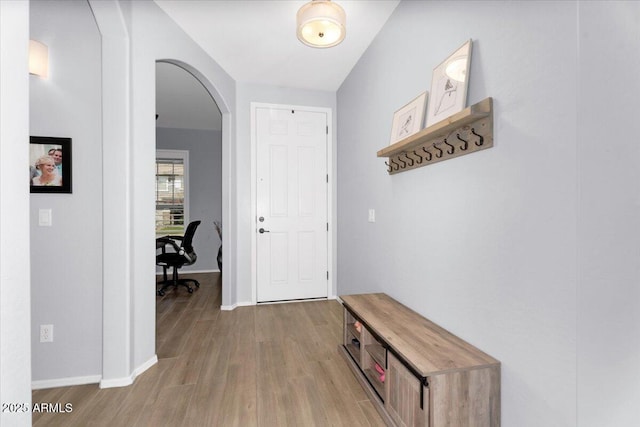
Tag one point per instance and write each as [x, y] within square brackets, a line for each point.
[429, 348]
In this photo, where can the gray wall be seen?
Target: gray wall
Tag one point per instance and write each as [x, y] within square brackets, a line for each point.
[205, 187]
[528, 250]
[66, 259]
[69, 103]
[608, 189]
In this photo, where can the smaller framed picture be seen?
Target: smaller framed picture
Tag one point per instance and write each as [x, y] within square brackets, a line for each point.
[409, 119]
[50, 164]
[449, 85]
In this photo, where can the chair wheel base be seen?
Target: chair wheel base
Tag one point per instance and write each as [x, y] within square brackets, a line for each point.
[176, 284]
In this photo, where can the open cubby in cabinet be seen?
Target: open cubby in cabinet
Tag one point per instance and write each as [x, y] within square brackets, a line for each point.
[465, 132]
[426, 376]
[363, 347]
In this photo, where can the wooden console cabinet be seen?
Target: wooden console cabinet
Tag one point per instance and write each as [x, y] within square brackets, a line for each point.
[417, 373]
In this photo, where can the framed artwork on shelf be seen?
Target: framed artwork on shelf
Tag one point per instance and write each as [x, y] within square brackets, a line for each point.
[50, 164]
[449, 85]
[409, 119]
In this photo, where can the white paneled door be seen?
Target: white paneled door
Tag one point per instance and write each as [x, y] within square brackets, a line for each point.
[291, 203]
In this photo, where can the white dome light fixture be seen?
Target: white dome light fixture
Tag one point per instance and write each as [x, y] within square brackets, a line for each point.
[321, 24]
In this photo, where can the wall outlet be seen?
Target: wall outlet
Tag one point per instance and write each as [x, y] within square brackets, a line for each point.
[46, 333]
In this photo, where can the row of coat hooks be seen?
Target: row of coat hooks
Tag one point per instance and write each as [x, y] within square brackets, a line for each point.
[462, 133]
[450, 146]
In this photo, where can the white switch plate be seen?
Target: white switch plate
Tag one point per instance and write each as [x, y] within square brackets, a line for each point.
[44, 217]
[372, 215]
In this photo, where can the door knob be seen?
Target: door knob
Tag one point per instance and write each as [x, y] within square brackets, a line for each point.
[262, 230]
[261, 219]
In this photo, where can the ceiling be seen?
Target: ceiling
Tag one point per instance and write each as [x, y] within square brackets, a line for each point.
[255, 42]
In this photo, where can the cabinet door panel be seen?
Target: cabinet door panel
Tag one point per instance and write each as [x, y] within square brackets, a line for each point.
[466, 398]
[403, 395]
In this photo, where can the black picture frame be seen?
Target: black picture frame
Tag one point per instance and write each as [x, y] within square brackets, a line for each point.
[41, 147]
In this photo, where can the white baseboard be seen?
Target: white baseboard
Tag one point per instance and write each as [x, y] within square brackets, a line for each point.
[233, 306]
[65, 382]
[249, 303]
[116, 382]
[146, 365]
[125, 381]
[95, 379]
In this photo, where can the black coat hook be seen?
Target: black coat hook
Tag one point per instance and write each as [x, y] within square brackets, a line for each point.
[481, 141]
[388, 166]
[418, 156]
[439, 153]
[404, 164]
[430, 156]
[410, 159]
[465, 144]
[451, 149]
[396, 166]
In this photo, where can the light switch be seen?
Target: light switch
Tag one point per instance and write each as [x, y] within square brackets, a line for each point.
[44, 218]
[372, 215]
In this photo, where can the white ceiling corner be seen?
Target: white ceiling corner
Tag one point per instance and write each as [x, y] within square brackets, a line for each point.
[255, 41]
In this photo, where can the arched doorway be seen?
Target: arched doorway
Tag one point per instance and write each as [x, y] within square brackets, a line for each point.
[189, 121]
[227, 161]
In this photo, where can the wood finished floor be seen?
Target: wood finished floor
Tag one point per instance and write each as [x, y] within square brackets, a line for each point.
[268, 365]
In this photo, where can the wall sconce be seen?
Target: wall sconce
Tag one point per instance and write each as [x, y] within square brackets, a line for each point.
[38, 59]
[321, 23]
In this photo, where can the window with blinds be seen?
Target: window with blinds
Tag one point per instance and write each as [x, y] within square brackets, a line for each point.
[170, 195]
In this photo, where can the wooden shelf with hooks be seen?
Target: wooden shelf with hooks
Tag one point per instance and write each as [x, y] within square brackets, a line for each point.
[465, 132]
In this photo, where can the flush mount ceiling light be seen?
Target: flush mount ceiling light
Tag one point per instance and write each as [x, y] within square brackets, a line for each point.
[321, 23]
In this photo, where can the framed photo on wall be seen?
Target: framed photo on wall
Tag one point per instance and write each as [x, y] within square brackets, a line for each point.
[409, 119]
[50, 164]
[449, 85]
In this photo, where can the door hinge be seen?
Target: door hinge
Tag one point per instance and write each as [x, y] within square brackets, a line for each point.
[327, 178]
[327, 275]
[327, 226]
[327, 130]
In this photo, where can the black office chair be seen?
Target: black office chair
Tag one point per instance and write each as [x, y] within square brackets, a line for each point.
[182, 254]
